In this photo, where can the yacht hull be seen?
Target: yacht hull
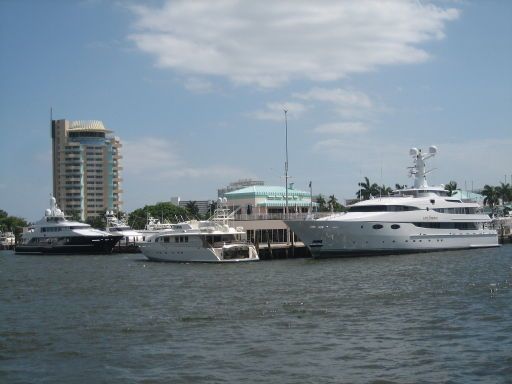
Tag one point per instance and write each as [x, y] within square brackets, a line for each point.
[70, 245]
[344, 239]
[157, 252]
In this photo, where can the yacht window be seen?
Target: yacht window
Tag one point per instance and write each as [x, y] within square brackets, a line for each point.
[447, 225]
[176, 239]
[459, 211]
[377, 226]
[166, 239]
[186, 239]
[395, 226]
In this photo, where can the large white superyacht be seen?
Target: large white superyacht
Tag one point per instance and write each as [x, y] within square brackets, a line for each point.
[417, 219]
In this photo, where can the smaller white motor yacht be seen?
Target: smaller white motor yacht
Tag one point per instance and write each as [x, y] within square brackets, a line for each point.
[54, 234]
[208, 241]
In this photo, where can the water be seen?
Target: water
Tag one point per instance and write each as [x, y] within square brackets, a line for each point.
[431, 318]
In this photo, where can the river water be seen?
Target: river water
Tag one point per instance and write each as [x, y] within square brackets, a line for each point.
[427, 318]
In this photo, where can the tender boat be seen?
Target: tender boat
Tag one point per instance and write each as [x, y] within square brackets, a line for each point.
[54, 234]
[208, 241]
[417, 219]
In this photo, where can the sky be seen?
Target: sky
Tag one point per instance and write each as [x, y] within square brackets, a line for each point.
[196, 92]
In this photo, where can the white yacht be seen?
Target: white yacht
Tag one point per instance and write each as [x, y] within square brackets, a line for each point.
[206, 241]
[417, 219]
[7, 240]
[55, 234]
[117, 226]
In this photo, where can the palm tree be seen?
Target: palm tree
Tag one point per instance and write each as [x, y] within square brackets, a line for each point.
[333, 202]
[451, 187]
[385, 191]
[367, 189]
[504, 192]
[321, 203]
[491, 196]
[192, 208]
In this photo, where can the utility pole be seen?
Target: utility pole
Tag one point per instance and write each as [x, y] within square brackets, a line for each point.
[286, 162]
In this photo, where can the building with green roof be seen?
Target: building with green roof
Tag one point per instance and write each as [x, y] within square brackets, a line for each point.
[266, 199]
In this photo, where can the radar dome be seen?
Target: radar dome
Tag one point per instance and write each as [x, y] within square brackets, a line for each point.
[48, 212]
[414, 151]
[432, 149]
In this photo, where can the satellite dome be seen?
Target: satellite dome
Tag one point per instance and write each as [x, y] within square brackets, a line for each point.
[414, 151]
[432, 149]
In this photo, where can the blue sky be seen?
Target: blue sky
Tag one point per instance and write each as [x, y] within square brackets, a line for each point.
[195, 90]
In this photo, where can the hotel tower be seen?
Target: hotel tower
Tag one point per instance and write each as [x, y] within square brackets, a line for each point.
[86, 169]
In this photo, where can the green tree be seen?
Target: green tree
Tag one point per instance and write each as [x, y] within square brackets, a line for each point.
[165, 210]
[451, 187]
[192, 208]
[97, 221]
[367, 189]
[504, 192]
[400, 186]
[321, 203]
[334, 205]
[491, 196]
[385, 191]
[12, 224]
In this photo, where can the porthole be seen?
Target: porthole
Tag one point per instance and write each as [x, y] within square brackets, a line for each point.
[377, 226]
[395, 226]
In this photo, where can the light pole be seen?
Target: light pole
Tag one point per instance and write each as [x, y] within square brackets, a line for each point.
[286, 163]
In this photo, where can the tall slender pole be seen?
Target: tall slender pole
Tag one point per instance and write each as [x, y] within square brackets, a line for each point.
[286, 162]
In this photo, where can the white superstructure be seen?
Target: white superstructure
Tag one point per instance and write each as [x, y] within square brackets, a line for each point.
[211, 240]
[416, 219]
[120, 227]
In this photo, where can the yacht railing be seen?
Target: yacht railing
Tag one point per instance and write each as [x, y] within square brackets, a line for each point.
[280, 216]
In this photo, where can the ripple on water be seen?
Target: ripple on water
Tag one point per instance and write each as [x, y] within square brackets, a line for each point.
[440, 317]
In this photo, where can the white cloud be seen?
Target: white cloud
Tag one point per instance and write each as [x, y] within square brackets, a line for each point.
[159, 159]
[347, 103]
[480, 161]
[268, 43]
[337, 96]
[341, 128]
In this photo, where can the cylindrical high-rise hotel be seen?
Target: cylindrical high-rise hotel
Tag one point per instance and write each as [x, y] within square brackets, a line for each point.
[86, 168]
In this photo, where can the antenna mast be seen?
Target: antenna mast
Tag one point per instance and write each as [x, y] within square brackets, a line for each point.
[286, 162]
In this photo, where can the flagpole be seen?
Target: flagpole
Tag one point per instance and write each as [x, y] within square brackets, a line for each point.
[286, 162]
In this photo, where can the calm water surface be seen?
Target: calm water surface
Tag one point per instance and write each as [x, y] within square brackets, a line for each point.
[432, 318]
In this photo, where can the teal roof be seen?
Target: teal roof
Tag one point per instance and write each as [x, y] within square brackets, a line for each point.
[264, 191]
[467, 195]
